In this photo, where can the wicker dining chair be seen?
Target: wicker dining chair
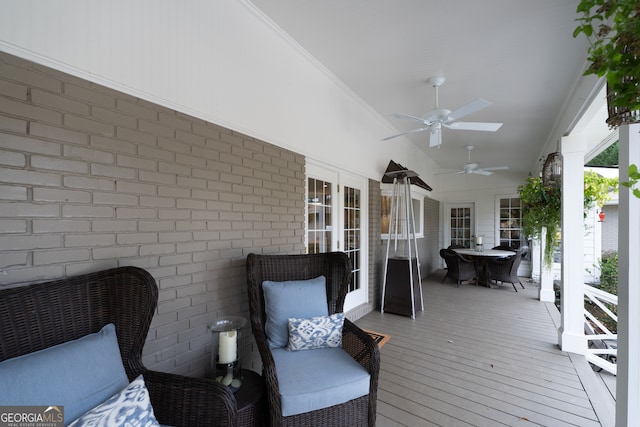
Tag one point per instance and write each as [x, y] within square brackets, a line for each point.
[336, 268]
[459, 268]
[35, 317]
[505, 270]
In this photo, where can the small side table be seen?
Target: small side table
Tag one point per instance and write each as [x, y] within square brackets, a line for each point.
[250, 400]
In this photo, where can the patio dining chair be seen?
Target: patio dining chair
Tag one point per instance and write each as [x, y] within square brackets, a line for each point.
[459, 268]
[505, 270]
[310, 381]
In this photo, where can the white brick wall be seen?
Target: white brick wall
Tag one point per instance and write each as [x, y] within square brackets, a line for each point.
[91, 179]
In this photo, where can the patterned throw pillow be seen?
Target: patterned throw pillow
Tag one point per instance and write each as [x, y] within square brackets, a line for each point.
[131, 407]
[315, 332]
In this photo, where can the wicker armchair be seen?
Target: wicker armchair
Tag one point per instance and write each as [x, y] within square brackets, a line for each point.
[38, 316]
[459, 268]
[335, 266]
[506, 269]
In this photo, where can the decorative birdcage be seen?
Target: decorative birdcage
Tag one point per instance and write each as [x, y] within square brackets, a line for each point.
[552, 171]
[621, 115]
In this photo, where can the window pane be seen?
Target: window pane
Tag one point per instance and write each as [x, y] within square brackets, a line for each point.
[461, 227]
[510, 222]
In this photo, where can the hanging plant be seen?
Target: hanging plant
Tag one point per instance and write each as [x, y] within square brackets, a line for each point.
[541, 210]
[613, 30]
[542, 207]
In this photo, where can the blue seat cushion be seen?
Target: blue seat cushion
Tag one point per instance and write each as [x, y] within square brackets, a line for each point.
[318, 378]
[78, 374]
[293, 298]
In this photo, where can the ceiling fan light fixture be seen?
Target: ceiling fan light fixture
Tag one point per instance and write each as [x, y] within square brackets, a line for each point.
[474, 168]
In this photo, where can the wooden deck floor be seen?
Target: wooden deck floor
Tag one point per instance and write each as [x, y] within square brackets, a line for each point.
[476, 357]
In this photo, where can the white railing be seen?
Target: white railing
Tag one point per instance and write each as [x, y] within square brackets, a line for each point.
[603, 344]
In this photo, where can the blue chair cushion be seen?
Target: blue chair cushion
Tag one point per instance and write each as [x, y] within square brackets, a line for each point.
[319, 378]
[78, 374]
[295, 298]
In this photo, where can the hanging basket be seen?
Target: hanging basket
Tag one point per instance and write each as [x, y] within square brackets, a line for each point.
[620, 115]
[552, 171]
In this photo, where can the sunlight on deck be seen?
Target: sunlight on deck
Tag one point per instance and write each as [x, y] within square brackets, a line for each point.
[477, 357]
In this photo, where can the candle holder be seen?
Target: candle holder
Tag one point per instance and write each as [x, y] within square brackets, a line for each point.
[226, 345]
[479, 246]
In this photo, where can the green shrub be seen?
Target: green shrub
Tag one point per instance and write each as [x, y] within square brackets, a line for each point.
[608, 266]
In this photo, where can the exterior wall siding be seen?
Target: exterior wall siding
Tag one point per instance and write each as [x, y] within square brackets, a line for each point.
[610, 229]
[430, 255]
[91, 178]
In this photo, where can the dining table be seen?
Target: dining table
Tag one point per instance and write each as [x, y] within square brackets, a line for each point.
[483, 257]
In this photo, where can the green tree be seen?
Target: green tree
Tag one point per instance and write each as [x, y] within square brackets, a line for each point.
[597, 190]
[608, 157]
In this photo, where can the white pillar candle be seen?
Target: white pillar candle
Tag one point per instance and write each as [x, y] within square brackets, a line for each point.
[478, 240]
[228, 347]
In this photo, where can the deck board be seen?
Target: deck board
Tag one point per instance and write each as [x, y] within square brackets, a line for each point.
[476, 357]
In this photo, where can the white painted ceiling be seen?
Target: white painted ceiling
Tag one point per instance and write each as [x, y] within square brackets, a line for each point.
[518, 54]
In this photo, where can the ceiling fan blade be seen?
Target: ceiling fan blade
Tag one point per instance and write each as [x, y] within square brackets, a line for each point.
[408, 117]
[450, 173]
[405, 133]
[482, 172]
[471, 107]
[483, 126]
[496, 168]
[435, 138]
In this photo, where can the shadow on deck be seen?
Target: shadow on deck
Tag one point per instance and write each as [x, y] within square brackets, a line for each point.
[481, 357]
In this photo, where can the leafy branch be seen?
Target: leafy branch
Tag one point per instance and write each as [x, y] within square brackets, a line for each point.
[634, 178]
[597, 190]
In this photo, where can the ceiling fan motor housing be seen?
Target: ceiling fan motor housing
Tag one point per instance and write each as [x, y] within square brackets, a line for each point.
[440, 115]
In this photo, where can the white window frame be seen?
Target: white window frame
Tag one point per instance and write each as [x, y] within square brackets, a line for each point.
[417, 202]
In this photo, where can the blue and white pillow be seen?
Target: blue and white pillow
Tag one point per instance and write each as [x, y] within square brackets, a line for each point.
[315, 332]
[131, 408]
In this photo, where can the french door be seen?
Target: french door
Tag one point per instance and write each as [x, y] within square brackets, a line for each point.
[461, 224]
[337, 221]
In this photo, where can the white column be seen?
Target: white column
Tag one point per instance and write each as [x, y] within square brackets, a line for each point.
[536, 259]
[546, 293]
[628, 379]
[571, 333]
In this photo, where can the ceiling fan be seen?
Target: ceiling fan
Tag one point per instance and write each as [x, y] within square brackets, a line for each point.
[435, 120]
[469, 167]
